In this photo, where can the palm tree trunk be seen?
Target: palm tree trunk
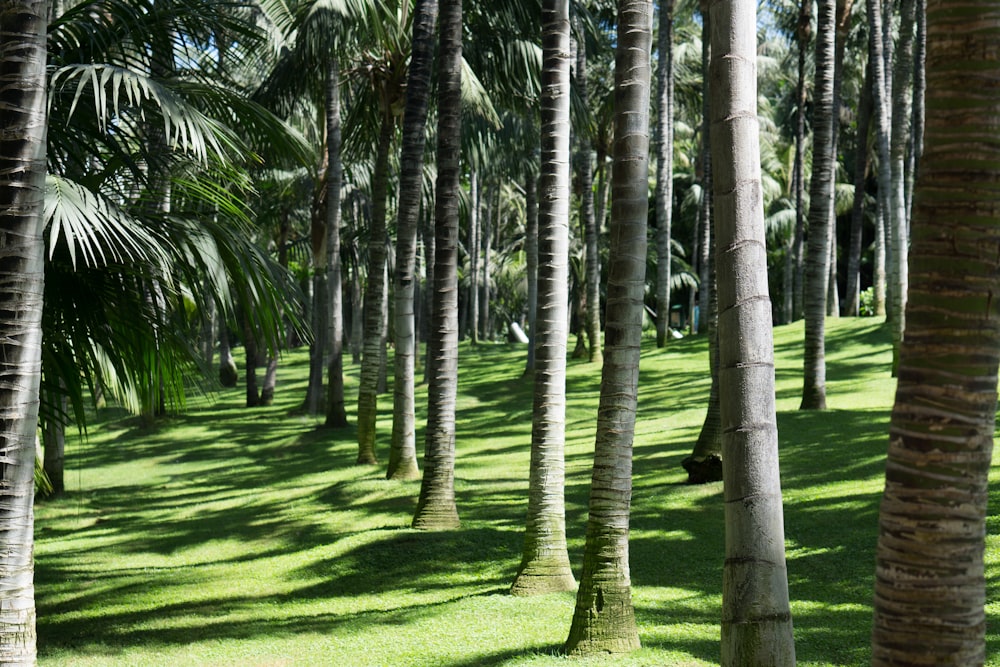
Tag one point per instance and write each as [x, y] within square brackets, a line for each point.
[585, 179]
[320, 306]
[604, 619]
[403, 448]
[250, 352]
[473, 245]
[704, 464]
[902, 108]
[492, 213]
[545, 560]
[270, 381]
[54, 444]
[794, 298]
[228, 375]
[861, 162]
[704, 238]
[664, 166]
[336, 414]
[880, 109]
[374, 343]
[436, 509]
[357, 338]
[820, 213]
[930, 584]
[428, 234]
[756, 618]
[531, 261]
[22, 194]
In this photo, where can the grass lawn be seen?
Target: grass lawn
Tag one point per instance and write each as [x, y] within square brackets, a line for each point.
[228, 536]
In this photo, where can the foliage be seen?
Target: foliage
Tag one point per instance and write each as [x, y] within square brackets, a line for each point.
[866, 305]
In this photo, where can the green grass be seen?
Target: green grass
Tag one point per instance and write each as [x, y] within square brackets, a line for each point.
[235, 537]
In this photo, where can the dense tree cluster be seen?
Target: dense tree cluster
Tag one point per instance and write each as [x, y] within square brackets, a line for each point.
[186, 176]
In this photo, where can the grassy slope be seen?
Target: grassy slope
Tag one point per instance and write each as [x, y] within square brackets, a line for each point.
[235, 537]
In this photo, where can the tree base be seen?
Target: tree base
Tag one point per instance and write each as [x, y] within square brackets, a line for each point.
[436, 518]
[703, 469]
[403, 471]
[540, 578]
[607, 627]
[228, 375]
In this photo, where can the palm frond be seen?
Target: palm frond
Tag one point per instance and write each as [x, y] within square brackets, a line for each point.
[95, 228]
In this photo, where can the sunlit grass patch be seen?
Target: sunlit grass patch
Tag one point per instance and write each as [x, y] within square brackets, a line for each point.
[228, 536]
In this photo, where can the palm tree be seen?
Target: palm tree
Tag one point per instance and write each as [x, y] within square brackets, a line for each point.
[604, 619]
[545, 560]
[664, 166]
[879, 54]
[930, 586]
[585, 178]
[403, 455]
[756, 621]
[899, 214]
[436, 506]
[820, 213]
[21, 282]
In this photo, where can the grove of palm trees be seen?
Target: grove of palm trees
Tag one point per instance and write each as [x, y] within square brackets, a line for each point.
[360, 332]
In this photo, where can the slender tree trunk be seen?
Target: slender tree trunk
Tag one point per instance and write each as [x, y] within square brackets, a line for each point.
[429, 255]
[374, 343]
[358, 307]
[228, 375]
[756, 618]
[250, 351]
[704, 464]
[54, 444]
[382, 385]
[879, 279]
[820, 213]
[531, 261]
[270, 380]
[545, 561]
[484, 296]
[403, 451]
[22, 193]
[902, 108]
[473, 245]
[436, 507]
[588, 221]
[880, 110]
[336, 414]
[705, 228]
[320, 299]
[794, 298]
[930, 587]
[861, 162]
[604, 619]
[664, 166]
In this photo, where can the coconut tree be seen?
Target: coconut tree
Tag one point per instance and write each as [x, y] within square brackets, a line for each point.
[545, 561]
[388, 76]
[664, 165]
[929, 584]
[902, 111]
[821, 207]
[588, 222]
[436, 507]
[756, 621]
[604, 619]
[403, 453]
[21, 281]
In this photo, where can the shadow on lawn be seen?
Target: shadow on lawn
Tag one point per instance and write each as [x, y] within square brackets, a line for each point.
[677, 531]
